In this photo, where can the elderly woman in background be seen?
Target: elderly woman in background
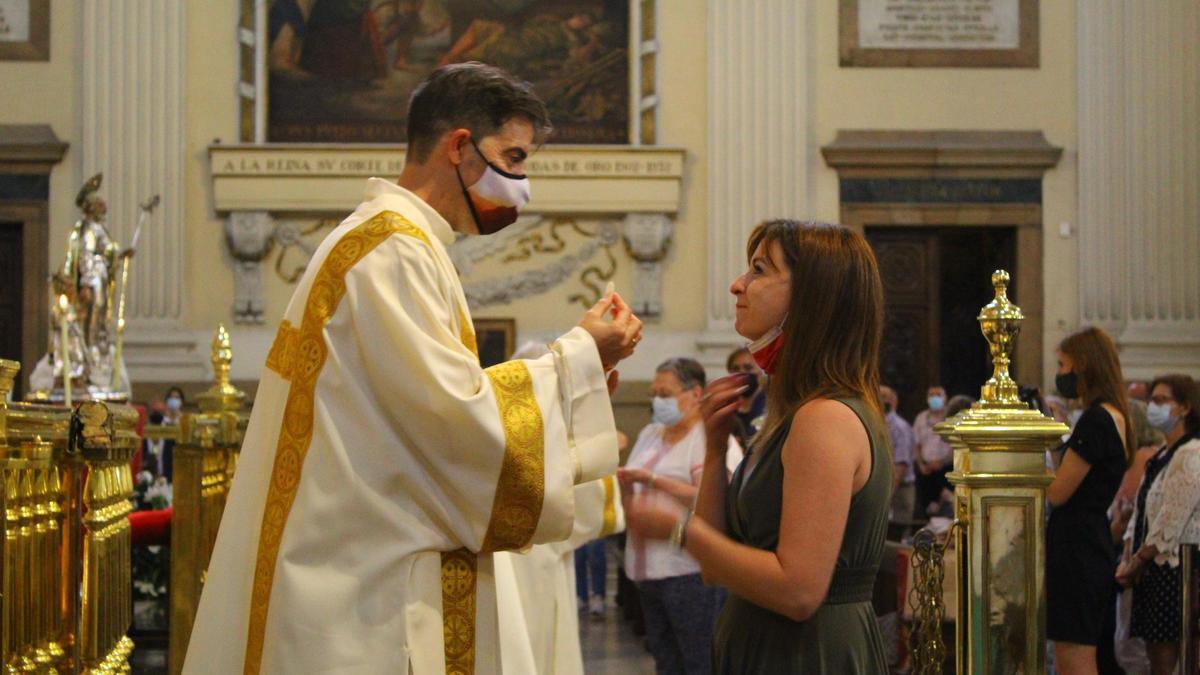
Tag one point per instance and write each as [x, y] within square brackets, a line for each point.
[668, 458]
[1166, 511]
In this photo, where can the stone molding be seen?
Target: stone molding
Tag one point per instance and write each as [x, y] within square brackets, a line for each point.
[29, 149]
[866, 152]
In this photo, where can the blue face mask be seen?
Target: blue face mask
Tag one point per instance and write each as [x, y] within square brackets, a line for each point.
[666, 411]
[1159, 416]
[174, 404]
[937, 402]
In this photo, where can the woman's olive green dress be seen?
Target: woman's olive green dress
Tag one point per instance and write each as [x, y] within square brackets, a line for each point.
[842, 637]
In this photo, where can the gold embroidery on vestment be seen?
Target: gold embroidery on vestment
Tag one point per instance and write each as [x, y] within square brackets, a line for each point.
[467, 333]
[610, 507]
[298, 355]
[458, 611]
[521, 488]
[283, 350]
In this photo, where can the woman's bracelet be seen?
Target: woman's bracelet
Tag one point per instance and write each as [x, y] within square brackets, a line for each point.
[679, 532]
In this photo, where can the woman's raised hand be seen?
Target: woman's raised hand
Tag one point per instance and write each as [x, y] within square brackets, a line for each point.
[720, 400]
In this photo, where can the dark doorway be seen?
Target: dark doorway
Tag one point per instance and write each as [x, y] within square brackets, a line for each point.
[12, 281]
[935, 280]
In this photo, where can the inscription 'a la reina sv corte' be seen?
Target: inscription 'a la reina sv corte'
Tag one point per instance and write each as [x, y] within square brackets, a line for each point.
[549, 162]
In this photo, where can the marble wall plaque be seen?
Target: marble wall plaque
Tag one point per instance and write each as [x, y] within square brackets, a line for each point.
[939, 24]
[938, 33]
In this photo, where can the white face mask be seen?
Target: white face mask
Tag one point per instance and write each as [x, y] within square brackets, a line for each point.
[496, 198]
[666, 411]
[1159, 416]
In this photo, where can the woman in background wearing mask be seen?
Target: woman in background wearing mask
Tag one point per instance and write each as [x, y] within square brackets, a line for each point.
[174, 404]
[1080, 559]
[668, 458]
[1166, 509]
[158, 453]
[933, 455]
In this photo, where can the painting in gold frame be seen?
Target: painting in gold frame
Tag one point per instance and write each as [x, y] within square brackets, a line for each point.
[24, 30]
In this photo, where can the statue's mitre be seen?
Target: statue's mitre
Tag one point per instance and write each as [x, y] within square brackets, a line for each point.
[89, 188]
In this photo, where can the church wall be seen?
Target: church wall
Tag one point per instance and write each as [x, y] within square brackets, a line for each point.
[47, 92]
[1041, 98]
[842, 98]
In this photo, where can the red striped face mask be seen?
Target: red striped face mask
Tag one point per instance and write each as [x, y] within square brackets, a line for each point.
[765, 349]
[496, 197]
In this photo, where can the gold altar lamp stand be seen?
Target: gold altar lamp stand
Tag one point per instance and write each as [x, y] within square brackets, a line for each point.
[207, 445]
[65, 554]
[1000, 477]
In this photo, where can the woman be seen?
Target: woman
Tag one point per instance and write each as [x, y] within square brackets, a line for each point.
[1080, 559]
[1167, 499]
[753, 407]
[798, 535]
[667, 460]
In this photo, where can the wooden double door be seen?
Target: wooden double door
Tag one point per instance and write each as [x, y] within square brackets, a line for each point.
[935, 280]
[12, 280]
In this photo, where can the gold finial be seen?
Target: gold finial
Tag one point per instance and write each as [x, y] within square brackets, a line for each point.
[222, 355]
[1001, 321]
[221, 395]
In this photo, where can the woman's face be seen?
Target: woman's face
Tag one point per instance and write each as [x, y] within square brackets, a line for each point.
[762, 293]
[1162, 395]
[667, 385]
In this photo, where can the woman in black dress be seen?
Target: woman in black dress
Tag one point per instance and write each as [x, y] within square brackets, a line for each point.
[1080, 560]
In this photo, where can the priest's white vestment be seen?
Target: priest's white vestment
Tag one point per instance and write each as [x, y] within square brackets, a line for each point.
[382, 466]
[539, 619]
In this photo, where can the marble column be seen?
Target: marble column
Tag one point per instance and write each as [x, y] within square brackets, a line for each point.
[1139, 180]
[759, 138]
[132, 62]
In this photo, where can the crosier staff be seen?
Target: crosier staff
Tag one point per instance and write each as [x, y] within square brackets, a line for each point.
[145, 209]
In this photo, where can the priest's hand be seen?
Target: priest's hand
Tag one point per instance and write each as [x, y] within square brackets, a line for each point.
[615, 339]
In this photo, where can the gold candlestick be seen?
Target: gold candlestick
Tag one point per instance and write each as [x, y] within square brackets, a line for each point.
[64, 346]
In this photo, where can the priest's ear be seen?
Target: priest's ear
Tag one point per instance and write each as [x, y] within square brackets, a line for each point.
[458, 145]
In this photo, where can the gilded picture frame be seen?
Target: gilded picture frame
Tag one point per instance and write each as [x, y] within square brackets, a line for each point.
[24, 30]
[592, 61]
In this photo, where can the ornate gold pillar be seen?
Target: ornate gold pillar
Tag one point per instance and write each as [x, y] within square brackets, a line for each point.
[1000, 477]
[205, 458]
[65, 559]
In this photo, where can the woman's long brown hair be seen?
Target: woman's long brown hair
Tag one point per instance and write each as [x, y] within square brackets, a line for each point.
[1096, 364]
[835, 317]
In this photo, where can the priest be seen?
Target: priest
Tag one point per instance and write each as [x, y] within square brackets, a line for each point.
[383, 466]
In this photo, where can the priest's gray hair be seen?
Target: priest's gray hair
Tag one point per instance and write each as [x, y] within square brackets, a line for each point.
[689, 372]
[472, 96]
